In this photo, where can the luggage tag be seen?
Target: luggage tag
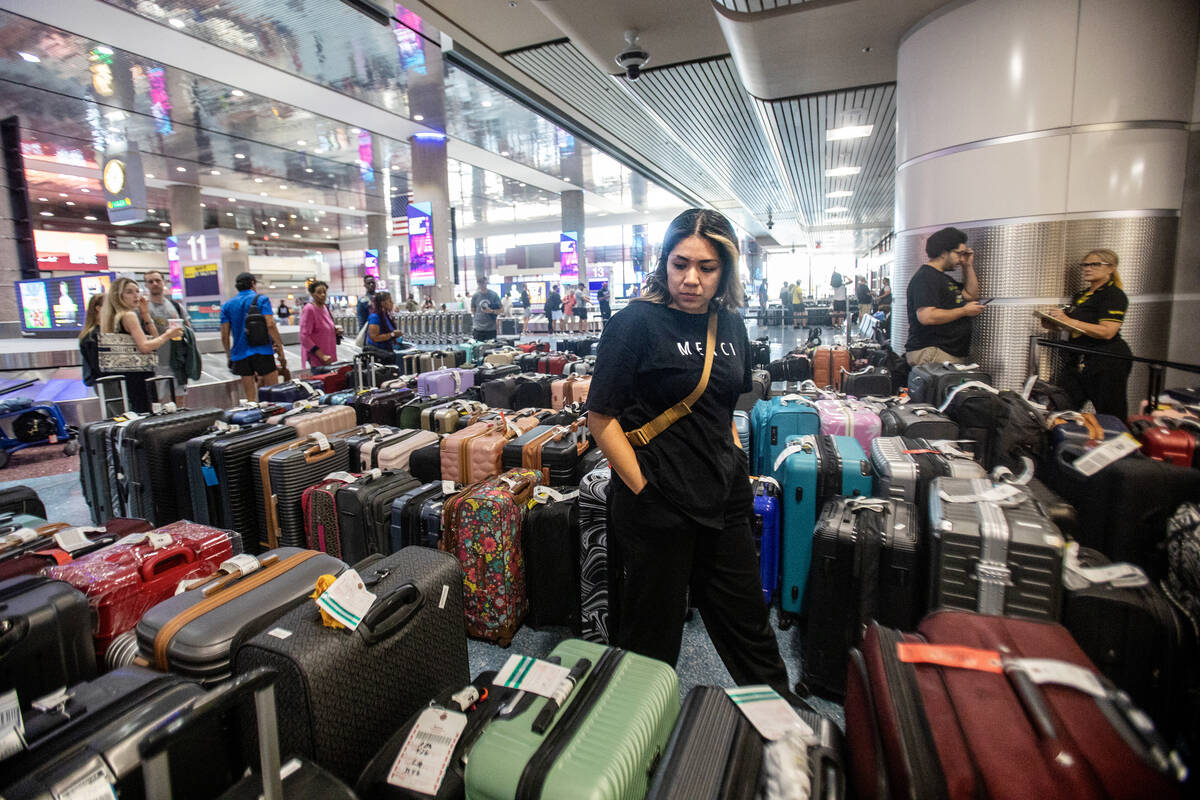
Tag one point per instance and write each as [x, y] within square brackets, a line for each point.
[544, 494]
[210, 474]
[769, 713]
[1110, 451]
[806, 445]
[21, 536]
[1121, 576]
[1002, 494]
[12, 727]
[426, 754]
[341, 475]
[157, 541]
[73, 539]
[322, 441]
[528, 674]
[347, 599]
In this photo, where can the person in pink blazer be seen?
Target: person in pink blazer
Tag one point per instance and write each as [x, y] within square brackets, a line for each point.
[318, 334]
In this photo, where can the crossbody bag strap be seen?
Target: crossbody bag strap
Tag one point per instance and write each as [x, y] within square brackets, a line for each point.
[642, 436]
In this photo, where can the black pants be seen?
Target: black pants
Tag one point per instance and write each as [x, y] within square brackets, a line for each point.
[656, 555]
[1102, 380]
[138, 391]
[484, 336]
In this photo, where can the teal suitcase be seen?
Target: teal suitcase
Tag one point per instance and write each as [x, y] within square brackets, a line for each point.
[602, 744]
[810, 470]
[773, 421]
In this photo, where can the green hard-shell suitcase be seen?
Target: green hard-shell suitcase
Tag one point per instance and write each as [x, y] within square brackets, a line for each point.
[603, 742]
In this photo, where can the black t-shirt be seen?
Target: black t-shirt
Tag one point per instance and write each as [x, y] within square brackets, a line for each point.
[553, 302]
[651, 357]
[1108, 302]
[932, 288]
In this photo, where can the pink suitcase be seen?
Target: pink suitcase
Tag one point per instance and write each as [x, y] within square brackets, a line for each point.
[844, 417]
[321, 419]
[393, 451]
[476, 452]
[572, 389]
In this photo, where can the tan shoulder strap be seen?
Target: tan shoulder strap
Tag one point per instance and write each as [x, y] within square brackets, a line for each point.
[643, 435]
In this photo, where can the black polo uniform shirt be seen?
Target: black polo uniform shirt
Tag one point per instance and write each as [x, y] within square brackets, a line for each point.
[1108, 303]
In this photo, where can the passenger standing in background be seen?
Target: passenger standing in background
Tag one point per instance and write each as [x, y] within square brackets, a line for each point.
[89, 342]
[762, 295]
[428, 306]
[284, 311]
[785, 297]
[884, 301]
[381, 336]
[554, 308]
[250, 357]
[838, 283]
[486, 306]
[862, 293]
[411, 305]
[525, 311]
[162, 308]
[581, 307]
[940, 308]
[367, 302]
[1098, 311]
[799, 310]
[605, 300]
[130, 352]
[506, 304]
[318, 332]
[680, 501]
[568, 296]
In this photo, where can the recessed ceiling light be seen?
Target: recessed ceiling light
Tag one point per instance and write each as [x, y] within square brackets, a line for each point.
[308, 170]
[504, 153]
[283, 186]
[47, 213]
[836, 210]
[214, 172]
[152, 211]
[325, 229]
[70, 202]
[272, 218]
[85, 190]
[301, 142]
[239, 155]
[848, 132]
[838, 172]
[292, 216]
[229, 213]
[280, 225]
[238, 93]
[30, 57]
[204, 205]
[419, 117]
[43, 200]
[354, 130]
[230, 199]
[63, 194]
[486, 104]
[839, 193]
[164, 224]
[304, 228]
[330, 236]
[310, 202]
[90, 218]
[249, 231]
[150, 175]
[181, 169]
[295, 236]
[258, 180]
[176, 23]
[276, 235]
[262, 194]
[567, 179]
[352, 208]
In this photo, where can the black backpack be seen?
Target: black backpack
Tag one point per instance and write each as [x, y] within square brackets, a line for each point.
[836, 280]
[257, 334]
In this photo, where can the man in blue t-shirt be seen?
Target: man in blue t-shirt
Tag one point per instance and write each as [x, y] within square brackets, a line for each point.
[254, 364]
[366, 303]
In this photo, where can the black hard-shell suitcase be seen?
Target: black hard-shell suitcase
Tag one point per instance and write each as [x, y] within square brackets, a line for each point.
[291, 471]
[868, 382]
[1136, 637]
[992, 556]
[146, 457]
[792, 367]
[487, 372]
[916, 421]
[202, 628]
[762, 388]
[425, 464]
[590, 460]
[411, 521]
[551, 543]
[95, 453]
[90, 740]
[21, 500]
[715, 753]
[1123, 508]
[867, 563]
[498, 392]
[233, 469]
[185, 500]
[383, 405]
[191, 462]
[171, 756]
[341, 693]
[930, 383]
[559, 456]
[528, 361]
[45, 637]
[373, 783]
[533, 390]
[365, 512]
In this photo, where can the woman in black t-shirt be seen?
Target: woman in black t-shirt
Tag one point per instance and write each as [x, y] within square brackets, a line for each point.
[680, 501]
[1098, 311]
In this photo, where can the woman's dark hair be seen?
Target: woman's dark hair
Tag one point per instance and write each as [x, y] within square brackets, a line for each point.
[378, 300]
[715, 228]
[312, 287]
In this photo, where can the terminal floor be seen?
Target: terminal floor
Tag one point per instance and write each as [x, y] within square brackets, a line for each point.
[698, 661]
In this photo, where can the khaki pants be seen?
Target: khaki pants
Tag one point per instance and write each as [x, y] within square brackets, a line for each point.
[931, 355]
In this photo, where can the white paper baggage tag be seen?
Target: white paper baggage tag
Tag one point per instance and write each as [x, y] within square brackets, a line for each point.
[544, 494]
[1102, 455]
[427, 752]
[806, 445]
[1050, 670]
[12, 727]
[21, 536]
[242, 564]
[157, 541]
[341, 475]
[73, 539]
[531, 675]
[322, 440]
[96, 785]
[347, 599]
[769, 713]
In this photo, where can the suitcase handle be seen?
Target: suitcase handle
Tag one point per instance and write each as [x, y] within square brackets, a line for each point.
[153, 567]
[12, 631]
[389, 615]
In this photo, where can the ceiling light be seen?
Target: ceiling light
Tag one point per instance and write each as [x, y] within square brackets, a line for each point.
[239, 155]
[150, 176]
[229, 213]
[352, 208]
[836, 210]
[272, 218]
[258, 180]
[308, 170]
[30, 57]
[504, 153]
[230, 199]
[85, 190]
[90, 218]
[304, 228]
[295, 236]
[838, 172]
[293, 216]
[214, 172]
[249, 231]
[63, 194]
[262, 194]
[238, 93]
[429, 136]
[103, 50]
[70, 202]
[354, 130]
[151, 210]
[839, 193]
[311, 202]
[280, 225]
[181, 169]
[848, 132]
[176, 23]
[47, 213]
[419, 117]
[486, 104]
[567, 179]
[164, 224]
[301, 142]
[283, 186]
[325, 229]
[43, 200]
[276, 235]
[330, 236]
[204, 205]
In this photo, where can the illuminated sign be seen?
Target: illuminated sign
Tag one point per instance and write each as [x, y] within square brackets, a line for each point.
[371, 263]
[57, 304]
[422, 270]
[160, 101]
[103, 81]
[366, 157]
[124, 185]
[62, 250]
[568, 254]
[176, 274]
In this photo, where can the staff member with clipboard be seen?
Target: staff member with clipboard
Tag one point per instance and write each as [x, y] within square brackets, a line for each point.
[1094, 319]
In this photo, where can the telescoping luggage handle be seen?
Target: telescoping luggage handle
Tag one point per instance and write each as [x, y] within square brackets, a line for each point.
[154, 385]
[155, 745]
[103, 383]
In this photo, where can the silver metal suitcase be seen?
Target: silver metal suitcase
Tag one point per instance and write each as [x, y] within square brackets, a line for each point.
[904, 467]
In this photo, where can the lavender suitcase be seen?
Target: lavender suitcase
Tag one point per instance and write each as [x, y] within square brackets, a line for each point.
[445, 382]
[849, 418]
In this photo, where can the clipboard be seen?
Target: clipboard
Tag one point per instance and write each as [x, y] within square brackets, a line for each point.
[1057, 322]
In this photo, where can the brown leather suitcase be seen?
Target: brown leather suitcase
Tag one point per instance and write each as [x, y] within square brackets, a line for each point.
[827, 366]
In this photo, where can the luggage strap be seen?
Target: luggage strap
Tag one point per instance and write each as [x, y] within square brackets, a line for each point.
[1095, 430]
[992, 571]
[218, 598]
[969, 384]
[807, 444]
[642, 436]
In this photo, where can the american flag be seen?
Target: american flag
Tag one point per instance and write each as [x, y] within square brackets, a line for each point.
[400, 213]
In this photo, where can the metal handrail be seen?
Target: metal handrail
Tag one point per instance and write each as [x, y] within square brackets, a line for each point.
[1158, 367]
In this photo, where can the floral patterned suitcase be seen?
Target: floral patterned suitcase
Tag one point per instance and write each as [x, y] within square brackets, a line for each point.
[481, 527]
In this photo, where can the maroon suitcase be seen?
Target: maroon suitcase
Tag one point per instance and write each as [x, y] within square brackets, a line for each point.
[922, 730]
[50, 553]
[552, 364]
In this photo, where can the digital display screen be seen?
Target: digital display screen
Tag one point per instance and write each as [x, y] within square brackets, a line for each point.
[60, 250]
[57, 304]
[173, 268]
[568, 248]
[202, 280]
[371, 263]
[420, 244]
[537, 292]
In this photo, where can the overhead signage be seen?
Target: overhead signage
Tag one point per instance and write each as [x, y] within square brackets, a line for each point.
[173, 268]
[124, 185]
[63, 250]
[568, 249]
[422, 268]
[371, 263]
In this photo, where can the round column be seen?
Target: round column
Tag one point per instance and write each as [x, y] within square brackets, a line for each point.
[1044, 129]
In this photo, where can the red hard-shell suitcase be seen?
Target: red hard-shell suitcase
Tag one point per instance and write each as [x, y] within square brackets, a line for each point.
[1176, 441]
[962, 720]
[124, 580]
